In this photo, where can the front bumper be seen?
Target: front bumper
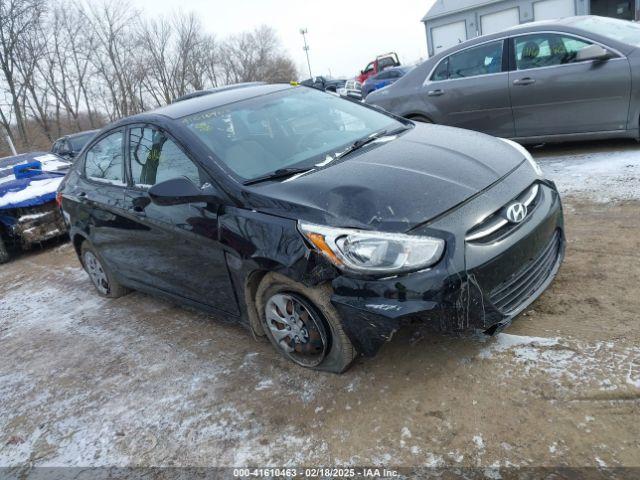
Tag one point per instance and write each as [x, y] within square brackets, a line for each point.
[474, 286]
[32, 225]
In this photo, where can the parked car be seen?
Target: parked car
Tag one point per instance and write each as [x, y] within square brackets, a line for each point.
[570, 79]
[70, 146]
[381, 62]
[324, 84]
[352, 89]
[321, 223]
[28, 211]
[383, 79]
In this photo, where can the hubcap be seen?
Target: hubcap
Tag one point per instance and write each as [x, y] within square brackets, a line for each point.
[96, 272]
[296, 329]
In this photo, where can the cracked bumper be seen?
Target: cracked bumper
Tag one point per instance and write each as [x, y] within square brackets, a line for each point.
[473, 287]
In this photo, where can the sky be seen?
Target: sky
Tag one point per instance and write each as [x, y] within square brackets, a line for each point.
[343, 36]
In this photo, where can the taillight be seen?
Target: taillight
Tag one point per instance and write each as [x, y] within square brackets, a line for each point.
[59, 199]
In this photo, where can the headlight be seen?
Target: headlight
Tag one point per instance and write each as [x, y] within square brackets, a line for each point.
[527, 155]
[373, 252]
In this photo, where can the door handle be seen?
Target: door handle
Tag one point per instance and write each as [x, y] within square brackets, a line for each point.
[523, 82]
[435, 93]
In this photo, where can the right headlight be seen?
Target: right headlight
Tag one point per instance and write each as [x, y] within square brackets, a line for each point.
[364, 251]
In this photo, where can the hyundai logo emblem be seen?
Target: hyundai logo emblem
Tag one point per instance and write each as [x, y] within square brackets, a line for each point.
[516, 212]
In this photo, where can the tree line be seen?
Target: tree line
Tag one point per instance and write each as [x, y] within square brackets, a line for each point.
[76, 65]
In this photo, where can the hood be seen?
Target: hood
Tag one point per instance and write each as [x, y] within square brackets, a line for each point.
[393, 186]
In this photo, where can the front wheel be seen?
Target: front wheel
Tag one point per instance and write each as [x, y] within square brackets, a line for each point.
[302, 324]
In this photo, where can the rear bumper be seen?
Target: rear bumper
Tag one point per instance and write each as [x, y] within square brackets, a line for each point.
[473, 287]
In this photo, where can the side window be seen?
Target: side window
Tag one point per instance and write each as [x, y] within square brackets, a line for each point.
[104, 161]
[442, 71]
[546, 50]
[154, 158]
[369, 68]
[481, 60]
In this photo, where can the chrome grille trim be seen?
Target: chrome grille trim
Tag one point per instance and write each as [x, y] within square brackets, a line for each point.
[496, 222]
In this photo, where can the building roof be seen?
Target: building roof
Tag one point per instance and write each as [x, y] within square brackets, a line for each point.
[443, 8]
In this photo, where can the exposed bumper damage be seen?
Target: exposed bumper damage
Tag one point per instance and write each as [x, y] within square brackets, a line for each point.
[28, 226]
[483, 288]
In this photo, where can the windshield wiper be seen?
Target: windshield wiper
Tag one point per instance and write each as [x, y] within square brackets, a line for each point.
[361, 142]
[280, 173]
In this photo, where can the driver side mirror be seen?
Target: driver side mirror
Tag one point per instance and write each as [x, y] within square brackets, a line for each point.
[592, 52]
[178, 191]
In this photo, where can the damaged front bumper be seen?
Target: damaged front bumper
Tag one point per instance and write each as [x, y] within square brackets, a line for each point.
[475, 286]
[33, 225]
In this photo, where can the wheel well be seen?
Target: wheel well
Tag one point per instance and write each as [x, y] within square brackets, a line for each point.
[250, 290]
[330, 89]
[77, 243]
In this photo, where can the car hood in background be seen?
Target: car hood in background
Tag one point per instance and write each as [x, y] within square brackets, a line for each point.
[393, 186]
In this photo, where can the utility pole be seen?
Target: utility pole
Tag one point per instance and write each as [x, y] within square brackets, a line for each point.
[303, 32]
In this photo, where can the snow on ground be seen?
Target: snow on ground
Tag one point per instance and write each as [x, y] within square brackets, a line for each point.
[602, 176]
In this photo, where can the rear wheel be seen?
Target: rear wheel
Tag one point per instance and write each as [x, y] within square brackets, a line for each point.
[4, 253]
[101, 277]
[302, 324]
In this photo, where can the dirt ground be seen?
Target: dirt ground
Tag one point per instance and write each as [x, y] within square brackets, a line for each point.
[137, 381]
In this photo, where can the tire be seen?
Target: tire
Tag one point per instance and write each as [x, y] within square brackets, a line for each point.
[4, 253]
[103, 280]
[338, 354]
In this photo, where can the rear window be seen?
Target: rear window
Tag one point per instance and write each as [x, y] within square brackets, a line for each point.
[622, 31]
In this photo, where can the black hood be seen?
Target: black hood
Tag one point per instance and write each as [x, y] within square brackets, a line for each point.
[393, 186]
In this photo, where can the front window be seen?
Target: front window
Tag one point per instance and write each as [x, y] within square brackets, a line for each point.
[297, 127]
[547, 50]
[482, 60]
[80, 141]
[154, 158]
[619, 30]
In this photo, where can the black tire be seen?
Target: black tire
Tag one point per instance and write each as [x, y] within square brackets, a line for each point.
[340, 352]
[4, 253]
[108, 286]
[420, 118]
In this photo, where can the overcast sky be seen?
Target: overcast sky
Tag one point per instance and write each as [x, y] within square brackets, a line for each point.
[343, 36]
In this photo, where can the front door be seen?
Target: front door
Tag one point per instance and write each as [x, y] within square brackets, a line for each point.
[470, 89]
[553, 93]
[175, 248]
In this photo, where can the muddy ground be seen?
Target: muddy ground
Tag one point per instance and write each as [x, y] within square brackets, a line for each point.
[137, 381]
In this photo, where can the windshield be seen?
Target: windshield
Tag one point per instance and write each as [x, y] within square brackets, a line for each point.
[622, 31]
[296, 127]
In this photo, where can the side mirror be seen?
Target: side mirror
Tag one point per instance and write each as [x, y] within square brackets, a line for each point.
[592, 52]
[178, 191]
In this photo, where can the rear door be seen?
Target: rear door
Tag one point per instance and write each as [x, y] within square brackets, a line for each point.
[470, 89]
[552, 93]
[100, 195]
[174, 248]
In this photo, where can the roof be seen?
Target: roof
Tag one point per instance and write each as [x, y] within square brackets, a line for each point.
[442, 8]
[200, 93]
[215, 100]
[86, 132]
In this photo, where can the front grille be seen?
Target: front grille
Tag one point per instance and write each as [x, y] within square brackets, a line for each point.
[514, 292]
[496, 225]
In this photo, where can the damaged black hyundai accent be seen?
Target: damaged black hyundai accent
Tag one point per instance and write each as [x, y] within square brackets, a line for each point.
[321, 223]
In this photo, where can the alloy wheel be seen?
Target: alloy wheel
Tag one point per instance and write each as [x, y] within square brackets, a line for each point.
[96, 272]
[297, 329]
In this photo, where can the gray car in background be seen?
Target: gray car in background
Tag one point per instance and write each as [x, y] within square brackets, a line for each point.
[570, 79]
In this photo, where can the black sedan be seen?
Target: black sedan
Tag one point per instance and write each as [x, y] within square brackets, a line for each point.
[321, 223]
